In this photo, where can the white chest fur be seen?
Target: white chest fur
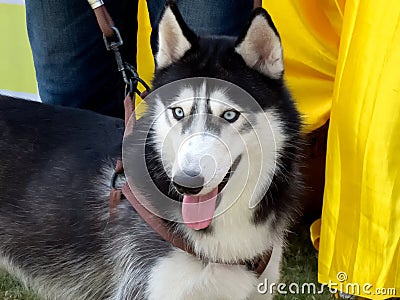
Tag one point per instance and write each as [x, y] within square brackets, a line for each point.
[180, 276]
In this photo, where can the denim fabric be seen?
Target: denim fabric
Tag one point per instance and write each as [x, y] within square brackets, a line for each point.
[73, 68]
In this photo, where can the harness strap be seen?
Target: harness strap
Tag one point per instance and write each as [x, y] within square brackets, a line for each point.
[257, 3]
[155, 222]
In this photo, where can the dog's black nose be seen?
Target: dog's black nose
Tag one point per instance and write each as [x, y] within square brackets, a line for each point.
[188, 184]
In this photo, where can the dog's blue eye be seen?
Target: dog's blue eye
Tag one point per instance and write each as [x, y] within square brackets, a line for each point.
[178, 113]
[231, 115]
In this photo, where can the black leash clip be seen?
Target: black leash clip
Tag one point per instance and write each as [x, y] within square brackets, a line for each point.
[134, 80]
[129, 73]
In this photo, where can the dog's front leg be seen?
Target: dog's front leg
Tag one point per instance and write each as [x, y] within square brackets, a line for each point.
[181, 276]
[270, 278]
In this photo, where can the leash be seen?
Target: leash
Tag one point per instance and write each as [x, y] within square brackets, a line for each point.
[113, 41]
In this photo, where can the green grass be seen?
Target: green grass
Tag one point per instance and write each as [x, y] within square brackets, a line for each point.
[10, 289]
[299, 266]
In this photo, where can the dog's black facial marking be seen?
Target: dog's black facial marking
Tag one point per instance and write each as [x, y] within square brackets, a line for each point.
[228, 175]
[209, 110]
[212, 122]
[282, 196]
[194, 110]
[195, 107]
[187, 123]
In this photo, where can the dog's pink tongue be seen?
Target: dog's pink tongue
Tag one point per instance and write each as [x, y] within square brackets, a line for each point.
[198, 211]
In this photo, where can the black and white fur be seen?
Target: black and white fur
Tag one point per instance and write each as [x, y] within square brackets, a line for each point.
[56, 164]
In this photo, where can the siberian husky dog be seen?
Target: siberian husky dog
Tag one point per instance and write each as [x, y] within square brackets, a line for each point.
[216, 155]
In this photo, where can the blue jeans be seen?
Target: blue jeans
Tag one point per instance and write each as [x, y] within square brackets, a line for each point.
[73, 68]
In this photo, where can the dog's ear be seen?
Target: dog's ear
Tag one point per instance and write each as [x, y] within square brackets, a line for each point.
[174, 37]
[260, 45]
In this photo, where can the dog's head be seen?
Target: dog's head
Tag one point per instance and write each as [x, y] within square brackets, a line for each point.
[221, 126]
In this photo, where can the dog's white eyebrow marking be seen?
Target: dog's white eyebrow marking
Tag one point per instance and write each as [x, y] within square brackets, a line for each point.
[220, 101]
[186, 93]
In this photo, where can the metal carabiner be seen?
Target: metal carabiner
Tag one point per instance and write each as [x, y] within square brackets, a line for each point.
[114, 46]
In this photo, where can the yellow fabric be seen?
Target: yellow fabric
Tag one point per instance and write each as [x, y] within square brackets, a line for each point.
[144, 55]
[145, 61]
[361, 214]
[315, 233]
[16, 67]
[310, 34]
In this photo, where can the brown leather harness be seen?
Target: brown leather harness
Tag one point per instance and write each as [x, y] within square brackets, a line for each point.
[257, 264]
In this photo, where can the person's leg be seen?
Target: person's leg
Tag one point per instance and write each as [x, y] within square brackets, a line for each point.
[225, 17]
[73, 68]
